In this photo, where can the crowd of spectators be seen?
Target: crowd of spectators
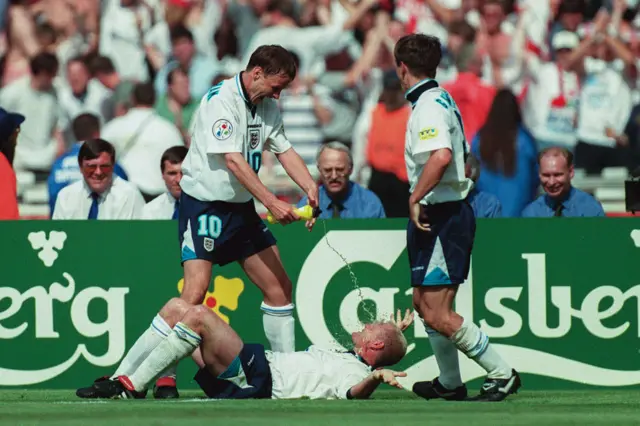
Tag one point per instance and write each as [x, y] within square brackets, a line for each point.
[526, 74]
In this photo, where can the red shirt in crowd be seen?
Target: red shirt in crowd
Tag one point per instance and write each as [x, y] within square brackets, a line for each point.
[474, 99]
[8, 191]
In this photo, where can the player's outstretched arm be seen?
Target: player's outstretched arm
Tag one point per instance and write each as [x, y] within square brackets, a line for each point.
[283, 212]
[298, 171]
[365, 388]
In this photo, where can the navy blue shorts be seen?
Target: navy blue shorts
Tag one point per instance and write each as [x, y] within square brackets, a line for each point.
[443, 255]
[248, 376]
[220, 232]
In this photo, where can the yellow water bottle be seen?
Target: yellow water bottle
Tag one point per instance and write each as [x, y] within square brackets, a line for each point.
[305, 213]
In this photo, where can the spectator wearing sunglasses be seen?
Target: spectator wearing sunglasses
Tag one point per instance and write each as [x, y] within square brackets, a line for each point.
[65, 169]
[100, 194]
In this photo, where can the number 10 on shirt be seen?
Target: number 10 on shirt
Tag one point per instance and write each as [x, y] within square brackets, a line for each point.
[254, 158]
[209, 226]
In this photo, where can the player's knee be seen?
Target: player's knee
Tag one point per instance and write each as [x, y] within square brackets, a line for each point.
[174, 310]
[442, 322]
[279, 294]
[195, 317]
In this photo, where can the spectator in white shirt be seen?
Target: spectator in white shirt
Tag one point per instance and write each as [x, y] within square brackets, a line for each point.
[122, 26]
[33, 97]
[80, 94]
[166, 206]
[604, 109]
[141, 137]
[100, 194]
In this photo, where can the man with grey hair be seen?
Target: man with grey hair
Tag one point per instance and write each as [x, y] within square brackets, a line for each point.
[484, 204]
[339, 197]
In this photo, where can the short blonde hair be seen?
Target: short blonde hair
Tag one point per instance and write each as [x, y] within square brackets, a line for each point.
[395, 344]
[556, 151]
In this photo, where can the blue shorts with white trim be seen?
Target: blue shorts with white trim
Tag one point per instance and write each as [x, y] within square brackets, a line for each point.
[248, 376]
[442, 256]
[220, 232]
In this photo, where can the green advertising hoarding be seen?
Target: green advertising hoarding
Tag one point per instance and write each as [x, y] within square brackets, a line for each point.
[558, 298]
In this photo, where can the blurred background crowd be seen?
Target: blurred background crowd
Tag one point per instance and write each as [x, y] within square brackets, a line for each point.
[526, 75]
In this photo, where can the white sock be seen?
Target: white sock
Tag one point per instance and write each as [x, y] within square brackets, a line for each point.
[447, 358]
[474, 343]
[279, 327]
[180, 343]
[145, 344]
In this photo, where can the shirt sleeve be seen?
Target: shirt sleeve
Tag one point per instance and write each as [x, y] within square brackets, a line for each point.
[138, 206]
[277, 141]
[496, 209]
[529, 211]
[594, 209]
[219, 126]
[346, 383]
[58, 211]
[147, 213]
[377, 208]
[429, 129]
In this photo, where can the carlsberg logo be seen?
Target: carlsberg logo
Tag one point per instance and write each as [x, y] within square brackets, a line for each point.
[550, 311]
[42, 325]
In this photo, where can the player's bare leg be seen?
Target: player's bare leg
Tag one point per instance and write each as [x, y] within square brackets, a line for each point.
[435, 306]
[448, 384]
[199, 326]
[160, 328]
[265, 270]
[197, 276]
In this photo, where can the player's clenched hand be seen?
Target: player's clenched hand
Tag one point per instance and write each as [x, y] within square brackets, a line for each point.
[417, 217]
[403, 323]
[283, 212]
[389, 377]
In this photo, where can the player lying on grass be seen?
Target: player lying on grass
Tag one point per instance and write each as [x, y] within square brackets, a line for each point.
[233, 369]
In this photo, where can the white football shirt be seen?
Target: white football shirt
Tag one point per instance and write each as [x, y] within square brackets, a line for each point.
[551, 106]
[605, 102]
[315, 373]
[435, 123]
[226, 122]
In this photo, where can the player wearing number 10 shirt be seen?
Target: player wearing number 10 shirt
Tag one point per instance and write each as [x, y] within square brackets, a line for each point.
[237, 120]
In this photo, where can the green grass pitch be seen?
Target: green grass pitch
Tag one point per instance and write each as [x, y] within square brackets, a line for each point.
[388, 407]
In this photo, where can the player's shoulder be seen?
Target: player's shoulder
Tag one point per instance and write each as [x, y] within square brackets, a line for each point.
[435, 100]
[222, 93]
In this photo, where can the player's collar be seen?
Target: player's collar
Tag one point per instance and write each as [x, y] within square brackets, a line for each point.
[414, 93]
[242, 91]
[358, 357]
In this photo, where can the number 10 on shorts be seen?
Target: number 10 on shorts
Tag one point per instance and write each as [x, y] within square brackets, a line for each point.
[209, 226]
